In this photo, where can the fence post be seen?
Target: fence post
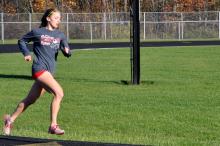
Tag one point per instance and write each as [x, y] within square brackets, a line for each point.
[67, 26]
[182, 23]
[91, 32]
[112, 15]
[219, 24]
[2, 21]
[105, 25]
[30, 19]
[144, 26]
[179, 28]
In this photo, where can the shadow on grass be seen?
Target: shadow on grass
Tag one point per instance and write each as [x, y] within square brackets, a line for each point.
[141, 82]
[119, 82]
[29, 141]
[24, 77]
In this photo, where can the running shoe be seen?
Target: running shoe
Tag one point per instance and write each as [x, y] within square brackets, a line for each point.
[7, 125]
[55, 130]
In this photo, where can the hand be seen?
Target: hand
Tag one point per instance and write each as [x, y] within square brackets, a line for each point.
[66, 52]
[27, 58]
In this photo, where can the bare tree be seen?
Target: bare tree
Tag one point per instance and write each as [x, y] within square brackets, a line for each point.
[31, 6]
[2, 6]
[31, 10]
[125, 5]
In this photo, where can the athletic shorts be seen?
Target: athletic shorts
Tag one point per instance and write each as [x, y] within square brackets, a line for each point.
[37, 74]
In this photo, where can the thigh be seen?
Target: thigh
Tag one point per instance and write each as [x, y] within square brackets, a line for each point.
[48, 82]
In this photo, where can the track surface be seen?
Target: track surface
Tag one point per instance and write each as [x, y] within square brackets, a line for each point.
[7, 48]
[29, 141]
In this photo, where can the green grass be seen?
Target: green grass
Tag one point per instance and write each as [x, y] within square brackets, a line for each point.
[177, 104]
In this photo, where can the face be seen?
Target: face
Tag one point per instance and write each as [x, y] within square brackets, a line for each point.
[54, 20]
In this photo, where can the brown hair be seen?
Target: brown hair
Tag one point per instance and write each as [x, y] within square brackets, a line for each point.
[47, 13]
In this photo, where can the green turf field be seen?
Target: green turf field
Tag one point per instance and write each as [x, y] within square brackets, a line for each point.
[177, 104]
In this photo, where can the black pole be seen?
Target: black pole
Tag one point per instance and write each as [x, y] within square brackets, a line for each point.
[136, 43]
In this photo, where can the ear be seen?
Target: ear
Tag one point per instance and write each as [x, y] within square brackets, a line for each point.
[48, 19]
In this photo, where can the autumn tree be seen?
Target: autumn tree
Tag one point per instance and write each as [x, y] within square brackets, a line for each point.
[7, 6]
[193, 5]
[88, 6]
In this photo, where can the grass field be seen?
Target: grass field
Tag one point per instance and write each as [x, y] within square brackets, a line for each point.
[177, 104]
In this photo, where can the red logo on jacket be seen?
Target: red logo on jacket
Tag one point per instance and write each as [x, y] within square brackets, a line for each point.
[48, 40]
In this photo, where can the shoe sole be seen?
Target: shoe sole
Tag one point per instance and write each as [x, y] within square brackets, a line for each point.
[56, 133]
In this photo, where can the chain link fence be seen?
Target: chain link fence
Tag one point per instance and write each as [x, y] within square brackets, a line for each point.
[116, 26]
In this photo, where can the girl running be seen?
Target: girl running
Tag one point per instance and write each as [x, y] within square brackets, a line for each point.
[46, 42]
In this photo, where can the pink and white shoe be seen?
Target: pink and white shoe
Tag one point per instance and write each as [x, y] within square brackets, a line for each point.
[7, 125]
[55, 130]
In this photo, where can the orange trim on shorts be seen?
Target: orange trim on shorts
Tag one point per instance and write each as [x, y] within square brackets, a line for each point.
[37, 74]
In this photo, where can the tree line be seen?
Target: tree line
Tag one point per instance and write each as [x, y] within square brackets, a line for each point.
[94, 6]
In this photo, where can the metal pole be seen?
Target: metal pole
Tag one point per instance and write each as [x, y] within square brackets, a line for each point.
[90, 32]
[219, 24]
[112, 14]
[30, 19]
[179, 28]
[136, 43]
[67, 26]
[144, 25]
[2, 21]
[182, 26]
[105, 25]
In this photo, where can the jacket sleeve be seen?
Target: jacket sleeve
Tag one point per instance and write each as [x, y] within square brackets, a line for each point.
[64, 44]
[22, 43]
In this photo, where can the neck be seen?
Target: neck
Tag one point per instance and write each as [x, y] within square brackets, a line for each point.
[49, 27]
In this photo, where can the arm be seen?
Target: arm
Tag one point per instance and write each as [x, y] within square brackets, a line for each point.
[22, 44]
[65, 47]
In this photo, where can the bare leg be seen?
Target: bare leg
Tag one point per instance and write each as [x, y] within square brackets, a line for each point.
[35, 92]
[42, 83]
[48, 82]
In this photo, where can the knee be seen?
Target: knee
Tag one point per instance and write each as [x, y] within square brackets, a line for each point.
[24, 104]
[59, 95]
[21, 105]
